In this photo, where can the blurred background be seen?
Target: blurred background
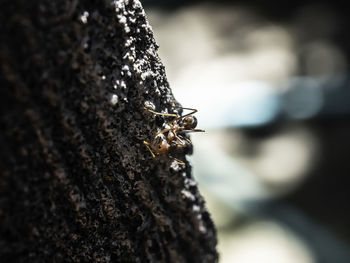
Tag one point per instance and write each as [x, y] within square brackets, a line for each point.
[270, 82]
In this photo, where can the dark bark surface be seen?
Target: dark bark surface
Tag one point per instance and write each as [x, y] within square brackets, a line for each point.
[76, 182]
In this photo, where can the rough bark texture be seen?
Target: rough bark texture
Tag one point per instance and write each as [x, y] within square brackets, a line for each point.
[76, 182]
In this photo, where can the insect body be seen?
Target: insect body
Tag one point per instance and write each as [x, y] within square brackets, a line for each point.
[171, 138]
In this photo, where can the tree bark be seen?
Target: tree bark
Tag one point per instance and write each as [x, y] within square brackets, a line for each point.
[77, 184]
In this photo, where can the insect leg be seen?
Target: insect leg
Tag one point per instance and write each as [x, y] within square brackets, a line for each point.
[187, 140]
[149, 148]
[163, 114]
[182, 143]
[178, 161]
[193, 111]
[194, 130]
[159, 113]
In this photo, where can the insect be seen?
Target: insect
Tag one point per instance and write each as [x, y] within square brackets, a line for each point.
[171, 138]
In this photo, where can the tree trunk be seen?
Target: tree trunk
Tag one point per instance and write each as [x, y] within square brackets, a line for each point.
[77, 184]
